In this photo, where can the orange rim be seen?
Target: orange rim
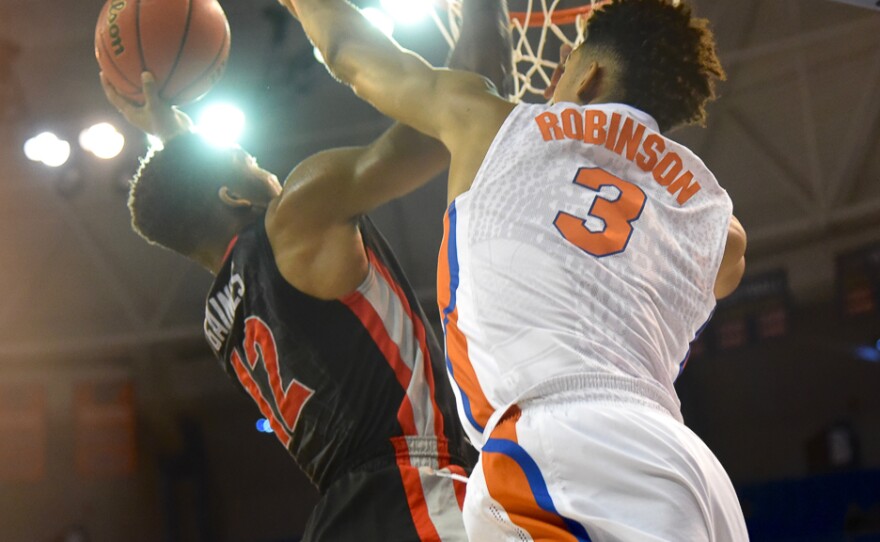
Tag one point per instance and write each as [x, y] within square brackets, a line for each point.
[538, 19]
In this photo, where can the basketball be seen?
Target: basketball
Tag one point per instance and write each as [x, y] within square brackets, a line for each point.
[184, 43]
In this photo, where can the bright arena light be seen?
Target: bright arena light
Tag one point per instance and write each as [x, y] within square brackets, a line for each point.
[33, 147]
[48, 149]
[102, 140]
[57, 154]
[221, 123]
[380, 20]
[408, 11]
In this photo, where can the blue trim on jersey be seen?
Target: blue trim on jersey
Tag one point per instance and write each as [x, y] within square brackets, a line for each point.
[687, 354]
[536, 481]
[452, 257]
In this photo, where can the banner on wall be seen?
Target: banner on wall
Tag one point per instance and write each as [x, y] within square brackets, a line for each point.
[858, 281]
[104, 419]
[23, 431]
[758, 309]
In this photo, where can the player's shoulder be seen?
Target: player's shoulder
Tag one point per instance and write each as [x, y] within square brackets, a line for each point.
[474, 93]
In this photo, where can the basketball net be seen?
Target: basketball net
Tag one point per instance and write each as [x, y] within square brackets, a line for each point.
[533, 64]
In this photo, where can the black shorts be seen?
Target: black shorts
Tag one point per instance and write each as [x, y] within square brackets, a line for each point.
[391, 503]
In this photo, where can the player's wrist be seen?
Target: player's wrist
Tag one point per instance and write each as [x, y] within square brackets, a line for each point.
[171, 124]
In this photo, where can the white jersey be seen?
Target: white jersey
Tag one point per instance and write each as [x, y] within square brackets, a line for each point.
[583, 256]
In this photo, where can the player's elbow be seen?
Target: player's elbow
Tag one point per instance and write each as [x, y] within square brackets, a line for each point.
[733, 264]
[332, 57]
[729, 278]
[737, 240]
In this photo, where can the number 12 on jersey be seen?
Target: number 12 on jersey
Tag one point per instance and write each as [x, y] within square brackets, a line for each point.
[288, 401]
[617, 214]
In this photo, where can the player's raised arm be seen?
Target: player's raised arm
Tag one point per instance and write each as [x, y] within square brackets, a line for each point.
[313, 227]
[339, 184]
[441, 103]
[484, 44]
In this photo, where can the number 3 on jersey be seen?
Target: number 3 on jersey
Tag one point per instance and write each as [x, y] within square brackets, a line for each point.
[618, 214]
[259, 344]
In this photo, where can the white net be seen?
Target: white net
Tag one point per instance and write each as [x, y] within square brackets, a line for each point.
[537, 33]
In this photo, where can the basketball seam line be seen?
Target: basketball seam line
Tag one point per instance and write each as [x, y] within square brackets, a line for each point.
[137, 26]
[179, 47]
[212, 66]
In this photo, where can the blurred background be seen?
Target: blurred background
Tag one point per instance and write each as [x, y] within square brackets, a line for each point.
[117, 424]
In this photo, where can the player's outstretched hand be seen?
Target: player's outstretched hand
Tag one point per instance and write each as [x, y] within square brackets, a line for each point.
[155, 116]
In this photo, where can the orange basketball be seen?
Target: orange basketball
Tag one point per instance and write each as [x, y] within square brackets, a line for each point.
[184, 43]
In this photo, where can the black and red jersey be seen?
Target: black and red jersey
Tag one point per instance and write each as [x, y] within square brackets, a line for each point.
[344, 383]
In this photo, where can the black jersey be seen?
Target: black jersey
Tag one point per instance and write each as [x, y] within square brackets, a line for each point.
[344, 383]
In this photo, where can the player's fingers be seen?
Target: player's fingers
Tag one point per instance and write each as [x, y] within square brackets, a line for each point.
[109, 89]
[118, 101]
[564, 52]
[148, 84]
[554, 80]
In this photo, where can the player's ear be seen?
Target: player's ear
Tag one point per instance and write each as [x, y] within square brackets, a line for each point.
[590, 85]
[233, 199]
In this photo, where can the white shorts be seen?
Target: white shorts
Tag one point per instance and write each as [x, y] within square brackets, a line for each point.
[565, 469]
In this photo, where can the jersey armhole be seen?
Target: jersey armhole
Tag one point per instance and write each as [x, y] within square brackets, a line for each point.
[364, 286]
[496, 142]
[719, 255]
[368, 279]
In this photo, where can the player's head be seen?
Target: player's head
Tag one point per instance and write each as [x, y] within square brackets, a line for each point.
[651, 54]
[191, 196]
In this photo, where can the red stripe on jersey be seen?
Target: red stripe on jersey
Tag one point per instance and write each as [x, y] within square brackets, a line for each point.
[415, 493]
[421, 337]
[229, 248]
[460, 487]
[374, 325]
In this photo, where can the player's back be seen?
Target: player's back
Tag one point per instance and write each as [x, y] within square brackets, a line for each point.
[583, 256]
[348, 386]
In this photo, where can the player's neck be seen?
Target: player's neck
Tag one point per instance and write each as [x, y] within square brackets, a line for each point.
[213, 255]
[210, 261]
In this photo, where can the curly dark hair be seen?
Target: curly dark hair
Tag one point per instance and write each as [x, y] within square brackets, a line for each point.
[173, 196]
[669, 64]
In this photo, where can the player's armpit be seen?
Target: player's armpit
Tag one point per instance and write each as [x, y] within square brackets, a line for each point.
[327, 265]
[312, 226]
[733, 263]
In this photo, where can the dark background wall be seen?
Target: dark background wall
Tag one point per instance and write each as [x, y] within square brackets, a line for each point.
[795, 138]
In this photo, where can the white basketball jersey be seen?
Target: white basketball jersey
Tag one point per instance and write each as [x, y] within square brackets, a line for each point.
[583, 256]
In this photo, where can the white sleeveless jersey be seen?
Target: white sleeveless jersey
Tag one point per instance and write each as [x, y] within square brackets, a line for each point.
[584, 256]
